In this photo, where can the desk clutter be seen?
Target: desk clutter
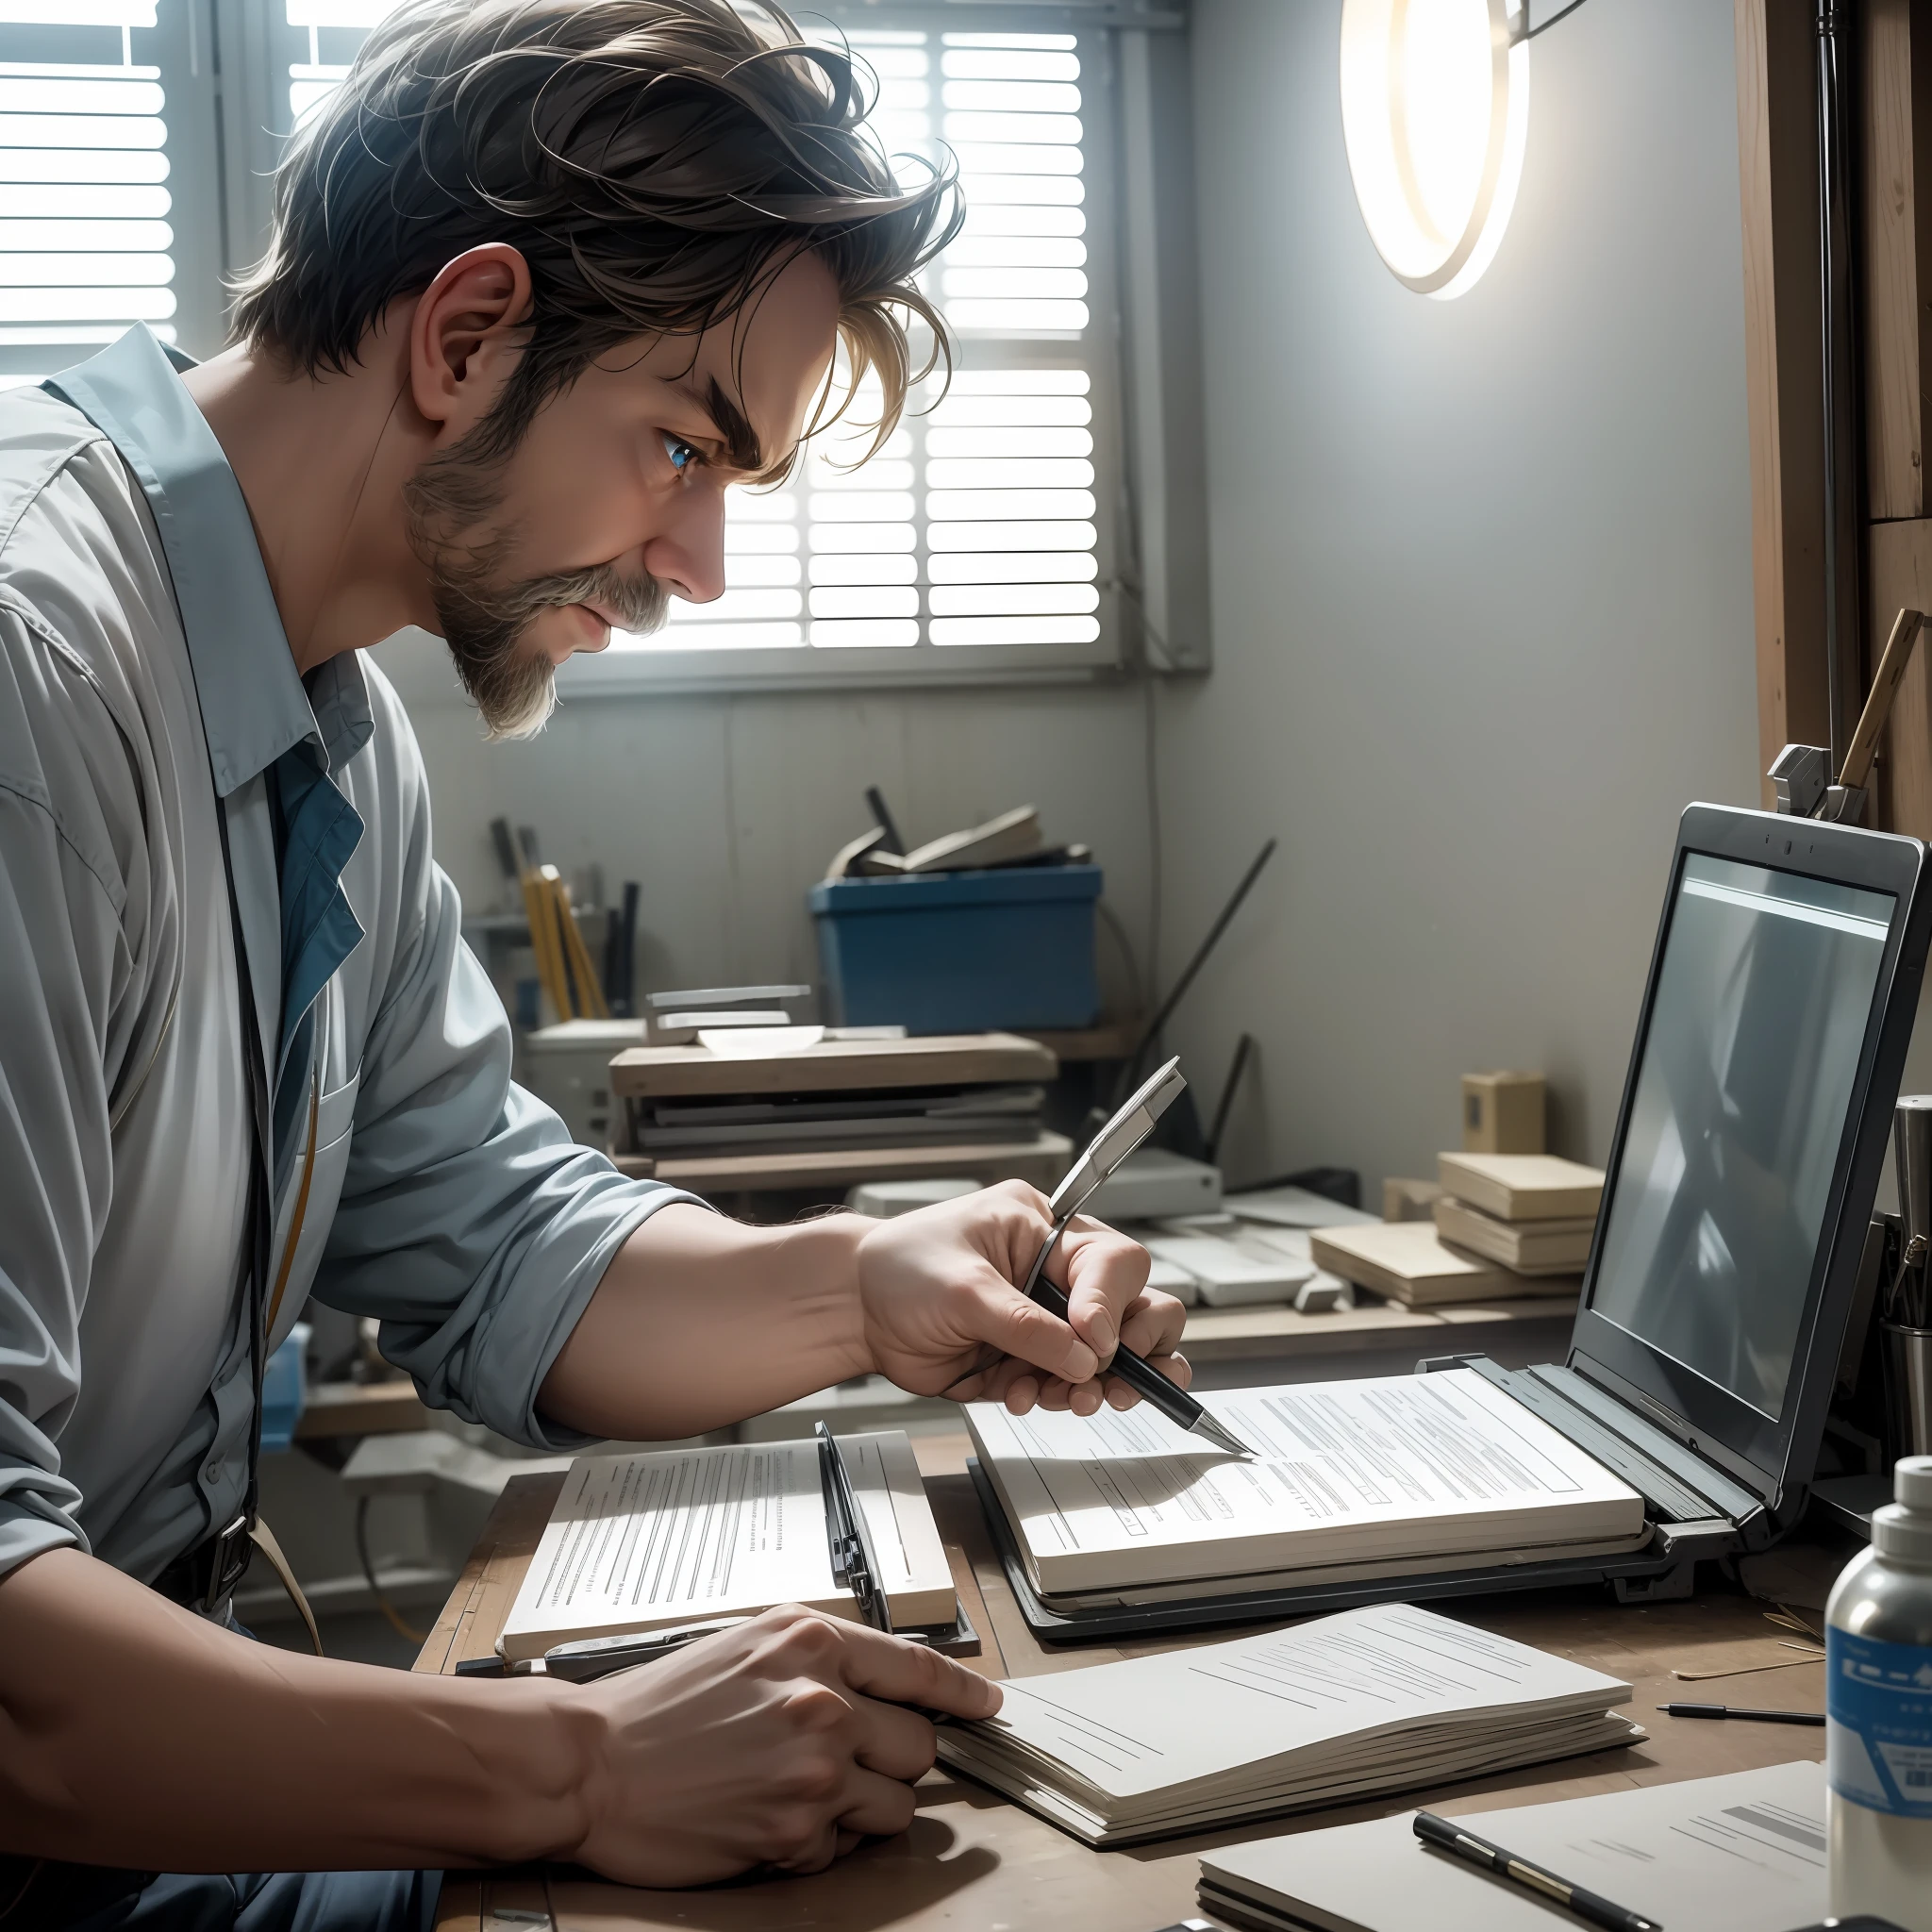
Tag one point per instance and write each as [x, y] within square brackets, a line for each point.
[760, 1105]
[1337, 1708]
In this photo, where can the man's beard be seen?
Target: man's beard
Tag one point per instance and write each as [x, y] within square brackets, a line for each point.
[451, 502]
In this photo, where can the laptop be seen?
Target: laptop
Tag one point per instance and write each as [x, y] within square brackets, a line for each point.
[1726, 1266]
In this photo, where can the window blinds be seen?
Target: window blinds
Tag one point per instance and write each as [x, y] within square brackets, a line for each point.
[85, 240]
[976, 523]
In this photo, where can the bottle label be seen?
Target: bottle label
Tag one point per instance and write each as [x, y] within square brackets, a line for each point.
[1878, 1730]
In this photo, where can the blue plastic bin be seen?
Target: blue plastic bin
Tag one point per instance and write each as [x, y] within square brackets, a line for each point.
[967, 952]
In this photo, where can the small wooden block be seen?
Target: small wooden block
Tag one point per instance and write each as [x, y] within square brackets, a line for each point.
[1503, 1113]
[1405, 1261]
[1523, 1187]
[1409, 1200]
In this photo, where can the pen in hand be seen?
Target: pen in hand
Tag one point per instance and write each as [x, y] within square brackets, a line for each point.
[1118, 1139]
[1590, 1905]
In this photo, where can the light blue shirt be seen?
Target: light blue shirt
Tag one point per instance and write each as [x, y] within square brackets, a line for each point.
[146, 683]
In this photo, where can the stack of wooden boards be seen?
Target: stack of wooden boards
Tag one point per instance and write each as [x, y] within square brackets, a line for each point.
[1505, 1225]
[836, 1111]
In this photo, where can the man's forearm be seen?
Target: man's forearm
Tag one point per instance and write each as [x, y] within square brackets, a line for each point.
[136, 1735]
[700, 1321]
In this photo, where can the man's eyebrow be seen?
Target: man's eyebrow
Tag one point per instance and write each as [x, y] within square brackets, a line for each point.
[742, 450]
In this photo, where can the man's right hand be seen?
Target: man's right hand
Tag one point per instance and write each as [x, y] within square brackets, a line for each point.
[782, 1744]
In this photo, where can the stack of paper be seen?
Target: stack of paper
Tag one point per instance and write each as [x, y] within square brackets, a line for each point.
[1386, 1476]
[677, 1536]
[1344, 1706]
[1742, 1853]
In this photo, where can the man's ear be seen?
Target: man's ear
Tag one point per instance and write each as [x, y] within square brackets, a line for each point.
[466, 336]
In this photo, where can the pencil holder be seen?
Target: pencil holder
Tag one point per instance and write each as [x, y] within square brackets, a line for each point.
[1908, 1391]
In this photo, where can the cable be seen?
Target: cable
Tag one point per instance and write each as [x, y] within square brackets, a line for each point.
[1137, 992]
[1244, 1046]
[1130, 1069]
[382, 1603]
[1152, 780]
[1529, 33]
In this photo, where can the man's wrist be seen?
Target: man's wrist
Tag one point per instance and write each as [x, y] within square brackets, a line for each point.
[540, 1747]
[822, 1257]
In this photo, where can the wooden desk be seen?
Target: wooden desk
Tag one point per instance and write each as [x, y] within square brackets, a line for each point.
[971, 1859]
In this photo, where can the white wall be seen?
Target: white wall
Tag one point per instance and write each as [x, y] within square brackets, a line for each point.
[1481, 581]
[725, 809]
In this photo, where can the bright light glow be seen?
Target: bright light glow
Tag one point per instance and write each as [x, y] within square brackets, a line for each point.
[1435, 109]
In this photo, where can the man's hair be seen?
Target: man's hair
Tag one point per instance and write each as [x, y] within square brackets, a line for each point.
[655, 162]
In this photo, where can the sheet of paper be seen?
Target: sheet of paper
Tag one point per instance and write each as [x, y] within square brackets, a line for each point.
[1390, 1466]
[672, 1535]
[1742, 1853]
[1150, 1723]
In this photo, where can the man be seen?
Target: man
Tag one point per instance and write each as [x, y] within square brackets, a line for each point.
[546, 276]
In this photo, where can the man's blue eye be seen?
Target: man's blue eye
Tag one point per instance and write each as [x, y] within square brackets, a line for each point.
[680, 452]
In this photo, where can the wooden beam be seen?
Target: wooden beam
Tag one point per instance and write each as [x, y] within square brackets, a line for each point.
[1895, 144]
[1777, 152]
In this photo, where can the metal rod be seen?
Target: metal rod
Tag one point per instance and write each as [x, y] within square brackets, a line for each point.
[1131, 1071]
[1840, 369]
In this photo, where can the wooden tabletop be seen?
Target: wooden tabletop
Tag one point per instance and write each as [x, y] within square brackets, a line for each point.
[972, 1859]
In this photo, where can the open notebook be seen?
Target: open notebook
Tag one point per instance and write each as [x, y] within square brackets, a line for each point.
[676, 1535]
[1391, 1476]
[1343, 1707]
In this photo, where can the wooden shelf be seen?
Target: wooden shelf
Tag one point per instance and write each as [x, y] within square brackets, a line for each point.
[834, 1066]
[1219, 1335]
[1042, 1160]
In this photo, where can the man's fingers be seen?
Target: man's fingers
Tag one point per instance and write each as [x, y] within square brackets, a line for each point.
[1103, 1274]
[1025, 1330]
[1154, 1325]
[893, 1741]
[896, 1672]
[879, 1807]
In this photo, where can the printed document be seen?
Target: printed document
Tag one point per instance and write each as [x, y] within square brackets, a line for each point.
[675, 1536]
[1366, 1701]
[1390, 1467]
[1740, 1853]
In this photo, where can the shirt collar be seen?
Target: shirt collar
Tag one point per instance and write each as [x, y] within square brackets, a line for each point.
[253, 703]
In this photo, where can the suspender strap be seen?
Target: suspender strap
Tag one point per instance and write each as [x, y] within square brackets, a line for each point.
[206, 1576]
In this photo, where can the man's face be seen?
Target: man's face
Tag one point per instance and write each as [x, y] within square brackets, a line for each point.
[614, 501]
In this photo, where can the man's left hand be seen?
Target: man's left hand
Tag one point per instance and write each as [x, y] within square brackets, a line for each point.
[939, 1296]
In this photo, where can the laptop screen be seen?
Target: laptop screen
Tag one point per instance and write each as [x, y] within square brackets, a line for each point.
[1737, 1114]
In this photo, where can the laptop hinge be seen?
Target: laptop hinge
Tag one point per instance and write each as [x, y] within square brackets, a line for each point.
[1678, 1485]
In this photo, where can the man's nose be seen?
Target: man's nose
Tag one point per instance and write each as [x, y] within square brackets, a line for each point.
[687, 553]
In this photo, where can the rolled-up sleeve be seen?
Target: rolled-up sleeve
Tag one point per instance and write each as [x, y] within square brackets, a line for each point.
[470, 1223]
[62, 972]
